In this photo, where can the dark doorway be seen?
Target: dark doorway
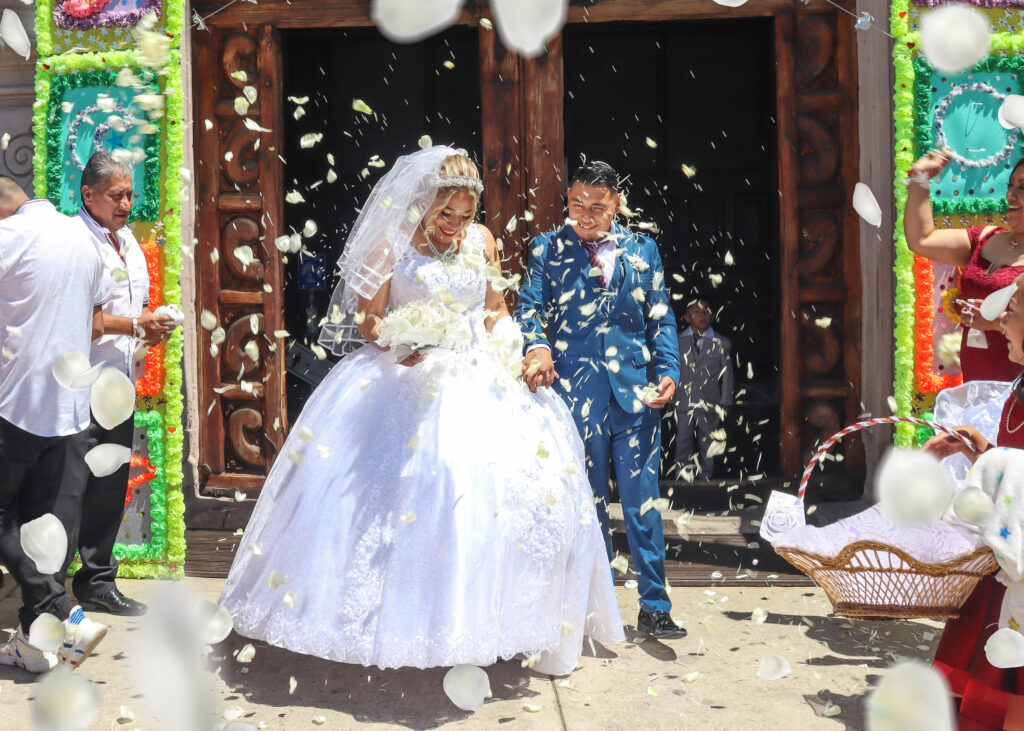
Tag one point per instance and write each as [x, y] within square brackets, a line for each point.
[427, 88]
[650, 99]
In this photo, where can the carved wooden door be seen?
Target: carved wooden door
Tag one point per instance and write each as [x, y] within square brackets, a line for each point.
[239, 186]
[821, 288]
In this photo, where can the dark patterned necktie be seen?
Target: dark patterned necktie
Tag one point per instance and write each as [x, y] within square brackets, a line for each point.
[592, 247]
[696, 342]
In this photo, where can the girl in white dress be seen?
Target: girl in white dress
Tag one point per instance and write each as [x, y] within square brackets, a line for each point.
[428, 512]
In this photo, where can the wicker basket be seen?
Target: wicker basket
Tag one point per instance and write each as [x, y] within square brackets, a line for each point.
[873, 580]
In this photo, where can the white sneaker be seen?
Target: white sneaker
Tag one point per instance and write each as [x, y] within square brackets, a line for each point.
[81, 636]
[17, 651]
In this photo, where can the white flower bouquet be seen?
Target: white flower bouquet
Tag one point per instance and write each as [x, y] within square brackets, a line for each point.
[415, 327]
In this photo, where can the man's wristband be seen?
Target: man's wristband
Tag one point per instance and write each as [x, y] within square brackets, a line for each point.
[137, 331]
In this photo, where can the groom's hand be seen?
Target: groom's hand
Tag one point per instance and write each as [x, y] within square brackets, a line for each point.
[539, 369]
[666, 390]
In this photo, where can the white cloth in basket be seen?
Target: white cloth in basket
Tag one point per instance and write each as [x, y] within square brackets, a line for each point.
[932, 543]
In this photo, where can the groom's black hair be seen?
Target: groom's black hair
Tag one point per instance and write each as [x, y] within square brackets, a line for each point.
[596, 172]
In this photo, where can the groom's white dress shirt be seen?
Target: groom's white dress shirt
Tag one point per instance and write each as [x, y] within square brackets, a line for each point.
[51, 278]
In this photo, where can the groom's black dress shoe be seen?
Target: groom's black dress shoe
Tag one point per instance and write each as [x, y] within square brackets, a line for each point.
[658, 625]
[113, 602]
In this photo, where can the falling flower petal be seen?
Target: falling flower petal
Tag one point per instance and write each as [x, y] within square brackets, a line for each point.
[954, 37]
[208, 320]
[309, 230]
[12, 32]
[620, 563]
[360, 106]
[310, 140]
[525, 26]
[215, 623]
[276, 579]
[406, 22]
[913, 487]
[46, 633]
[45, 541]
[910, 696]
[106, 459]
[1005, 648]
[731, 3]
[759, 615]
[774, 667]
[65, 701]
[245, 255]
[973, 506]
[865, 204]
[294, 196]
[254, 126]
[246, 654]
[74, 372]
[650, 143]
[690, 677]
[532, 708]
[689, 170]
[1011, 111]
[467, 686]
[292, 684]
[112, 398]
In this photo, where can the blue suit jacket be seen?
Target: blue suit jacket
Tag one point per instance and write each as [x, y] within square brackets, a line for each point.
[614, 338]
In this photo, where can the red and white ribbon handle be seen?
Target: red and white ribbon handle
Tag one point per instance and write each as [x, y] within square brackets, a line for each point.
[827, 444]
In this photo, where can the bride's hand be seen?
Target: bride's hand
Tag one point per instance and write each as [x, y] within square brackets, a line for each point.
[413, 359]
[944, 445]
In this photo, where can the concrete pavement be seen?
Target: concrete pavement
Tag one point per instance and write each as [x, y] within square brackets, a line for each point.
[704, 681]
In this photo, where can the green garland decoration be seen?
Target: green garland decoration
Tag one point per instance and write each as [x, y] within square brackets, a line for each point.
[923, 433]
[73, 72]
[903, 105]
[923, 140]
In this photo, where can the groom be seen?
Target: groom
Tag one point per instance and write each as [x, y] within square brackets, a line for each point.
[611, 340]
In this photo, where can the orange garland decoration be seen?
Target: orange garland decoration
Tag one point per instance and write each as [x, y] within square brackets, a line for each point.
[152, 381]
[928, 381]
[148, 474]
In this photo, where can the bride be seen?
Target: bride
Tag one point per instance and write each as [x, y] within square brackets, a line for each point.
[431, 511]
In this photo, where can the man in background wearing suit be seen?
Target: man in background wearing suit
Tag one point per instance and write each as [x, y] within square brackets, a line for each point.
[705, 382]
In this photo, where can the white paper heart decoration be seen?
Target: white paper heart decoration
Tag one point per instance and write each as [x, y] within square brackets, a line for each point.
[65, 701]
[911, 696]
[774, 667]
[1011, 111]
[73, 371]
[45, 541]
[46, 633]
[12, 32]
[106, 459]
[954, 37]
[865, 204]
[913, 488]
[112, 398]
[525, 26]
[467, 686]
[1005, 648]
[406, 22]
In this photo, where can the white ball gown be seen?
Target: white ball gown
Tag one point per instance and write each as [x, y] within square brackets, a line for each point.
[440, 514]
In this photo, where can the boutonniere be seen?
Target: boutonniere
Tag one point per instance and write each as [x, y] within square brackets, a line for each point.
[637, 263]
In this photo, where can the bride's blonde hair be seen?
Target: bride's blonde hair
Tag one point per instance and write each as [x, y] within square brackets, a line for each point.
[456, 166]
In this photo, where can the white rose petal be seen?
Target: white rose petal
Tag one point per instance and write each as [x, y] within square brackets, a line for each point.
[466, 686]
[46, 633]
[288, 599]
[12, 32]
[406, 22]
[309, 229]
[45, 541]
[74, 372]
[954, 37]
[865, 205]
[310, 140]
[112, 398]
[759, 615]
[1005, 648]
[106, 459]
[215, 623]
[774, 667]
[293, 196]
[360, 106]
[292, 684]
[65, 701]
[208, 320]
[276, 579]
[525, 26]
[913, 487]
[424, 142]
[246, 654]
[910, 696]
[620, 563]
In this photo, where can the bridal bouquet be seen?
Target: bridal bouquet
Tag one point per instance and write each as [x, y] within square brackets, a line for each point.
[417, 326]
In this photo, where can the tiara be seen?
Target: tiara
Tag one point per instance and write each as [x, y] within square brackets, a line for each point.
[459, 181]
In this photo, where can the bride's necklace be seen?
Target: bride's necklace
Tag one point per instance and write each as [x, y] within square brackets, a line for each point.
[447, 256]
[1009, 414]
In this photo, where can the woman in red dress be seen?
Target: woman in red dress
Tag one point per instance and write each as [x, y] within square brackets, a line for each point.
[990, 697]
[989, 257]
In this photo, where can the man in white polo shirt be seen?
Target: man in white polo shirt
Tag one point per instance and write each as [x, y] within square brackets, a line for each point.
[50, 298]
[93, 515]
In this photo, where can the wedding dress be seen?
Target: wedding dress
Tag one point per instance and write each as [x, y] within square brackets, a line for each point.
[429, 515]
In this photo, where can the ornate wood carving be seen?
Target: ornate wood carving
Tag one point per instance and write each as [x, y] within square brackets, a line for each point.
[818, 161]
[240, 208]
